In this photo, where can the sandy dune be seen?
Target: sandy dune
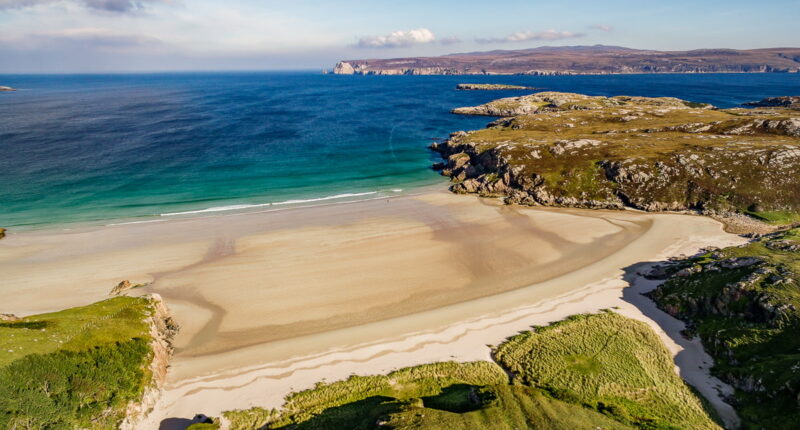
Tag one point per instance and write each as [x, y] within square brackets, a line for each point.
[277, 300]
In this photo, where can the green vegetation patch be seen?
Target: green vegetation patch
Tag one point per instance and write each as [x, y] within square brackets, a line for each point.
[610, 363]
[591, 371]
[744, 303]
[77, 368]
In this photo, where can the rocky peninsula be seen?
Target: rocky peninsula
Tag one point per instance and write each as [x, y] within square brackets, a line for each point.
[792, 102]
[491, 87]
[652, 154]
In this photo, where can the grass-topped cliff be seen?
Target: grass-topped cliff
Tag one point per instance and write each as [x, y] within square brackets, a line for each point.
[563, 149]
[744, 303]
[589, 371]
[87, 367]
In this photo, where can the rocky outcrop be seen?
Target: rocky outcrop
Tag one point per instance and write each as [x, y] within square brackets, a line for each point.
[124, 286]
[491, 87]
[653, 154]
[792, 102]
[2, 232]
[9, 318]
[163, 329]
[7, 89]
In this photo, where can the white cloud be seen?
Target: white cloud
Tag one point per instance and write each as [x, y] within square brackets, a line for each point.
[606, 28]
[524, 36]
[398, 39]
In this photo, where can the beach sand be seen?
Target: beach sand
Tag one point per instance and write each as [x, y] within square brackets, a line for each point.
[274, 301]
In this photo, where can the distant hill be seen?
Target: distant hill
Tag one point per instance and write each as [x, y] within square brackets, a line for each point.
[569, 60]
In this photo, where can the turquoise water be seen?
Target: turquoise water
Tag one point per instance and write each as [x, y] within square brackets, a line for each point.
[103, 148]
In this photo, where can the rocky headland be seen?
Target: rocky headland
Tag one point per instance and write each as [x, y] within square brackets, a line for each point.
[792, 102]
[491, 87]
[744, 304]
[582, 60]
[2, 88]
[652, 154]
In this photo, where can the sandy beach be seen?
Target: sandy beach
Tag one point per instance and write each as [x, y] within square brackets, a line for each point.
[274, 301]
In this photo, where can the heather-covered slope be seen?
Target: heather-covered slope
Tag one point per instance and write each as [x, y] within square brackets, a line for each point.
[563, 149]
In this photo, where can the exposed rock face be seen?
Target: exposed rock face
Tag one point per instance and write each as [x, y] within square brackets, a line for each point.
[570, 60]
[123, 287]
[654, 154]
[744, 302]
[792, 102]
[490, 87]
[163, 329]
[2, 233]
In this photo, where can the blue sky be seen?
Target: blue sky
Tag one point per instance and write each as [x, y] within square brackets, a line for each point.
[153, 35]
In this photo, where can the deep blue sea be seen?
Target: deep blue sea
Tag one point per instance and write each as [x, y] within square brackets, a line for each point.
[136, 147]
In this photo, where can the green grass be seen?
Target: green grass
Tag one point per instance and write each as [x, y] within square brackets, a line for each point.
[610, 363]
[748, 319]
[591, 371]
[776, 217]
[77, 368]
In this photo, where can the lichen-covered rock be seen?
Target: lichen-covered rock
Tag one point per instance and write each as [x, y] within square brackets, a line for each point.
[653, 154]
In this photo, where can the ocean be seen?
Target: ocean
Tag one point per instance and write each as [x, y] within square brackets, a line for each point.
[106, 149]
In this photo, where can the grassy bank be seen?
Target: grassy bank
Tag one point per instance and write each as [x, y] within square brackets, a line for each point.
[744, 303]
[78, 368]
[590, 371]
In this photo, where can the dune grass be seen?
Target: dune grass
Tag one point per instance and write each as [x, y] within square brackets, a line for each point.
[590, 371]
[77, 368]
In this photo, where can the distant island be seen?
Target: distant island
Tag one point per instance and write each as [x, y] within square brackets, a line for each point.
[582, 60]
[491, 87]
[2, 88]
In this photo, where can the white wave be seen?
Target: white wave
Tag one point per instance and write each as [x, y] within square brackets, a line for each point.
[216, 209]
[319, 199]
[133, 222]
[397, 190]
[287, 202]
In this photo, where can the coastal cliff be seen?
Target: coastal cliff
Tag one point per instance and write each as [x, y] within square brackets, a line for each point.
[578, 60]
[744, 303]
[653, 154]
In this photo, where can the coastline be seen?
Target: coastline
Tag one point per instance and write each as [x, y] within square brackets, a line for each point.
[272, 302]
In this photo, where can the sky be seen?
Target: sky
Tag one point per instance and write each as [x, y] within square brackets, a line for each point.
[64, 36]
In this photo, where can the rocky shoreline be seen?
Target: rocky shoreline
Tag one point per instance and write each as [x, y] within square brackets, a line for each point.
[651, 154]
[491, 87]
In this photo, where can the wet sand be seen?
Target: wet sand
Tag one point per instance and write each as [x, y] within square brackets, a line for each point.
[277, 300]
